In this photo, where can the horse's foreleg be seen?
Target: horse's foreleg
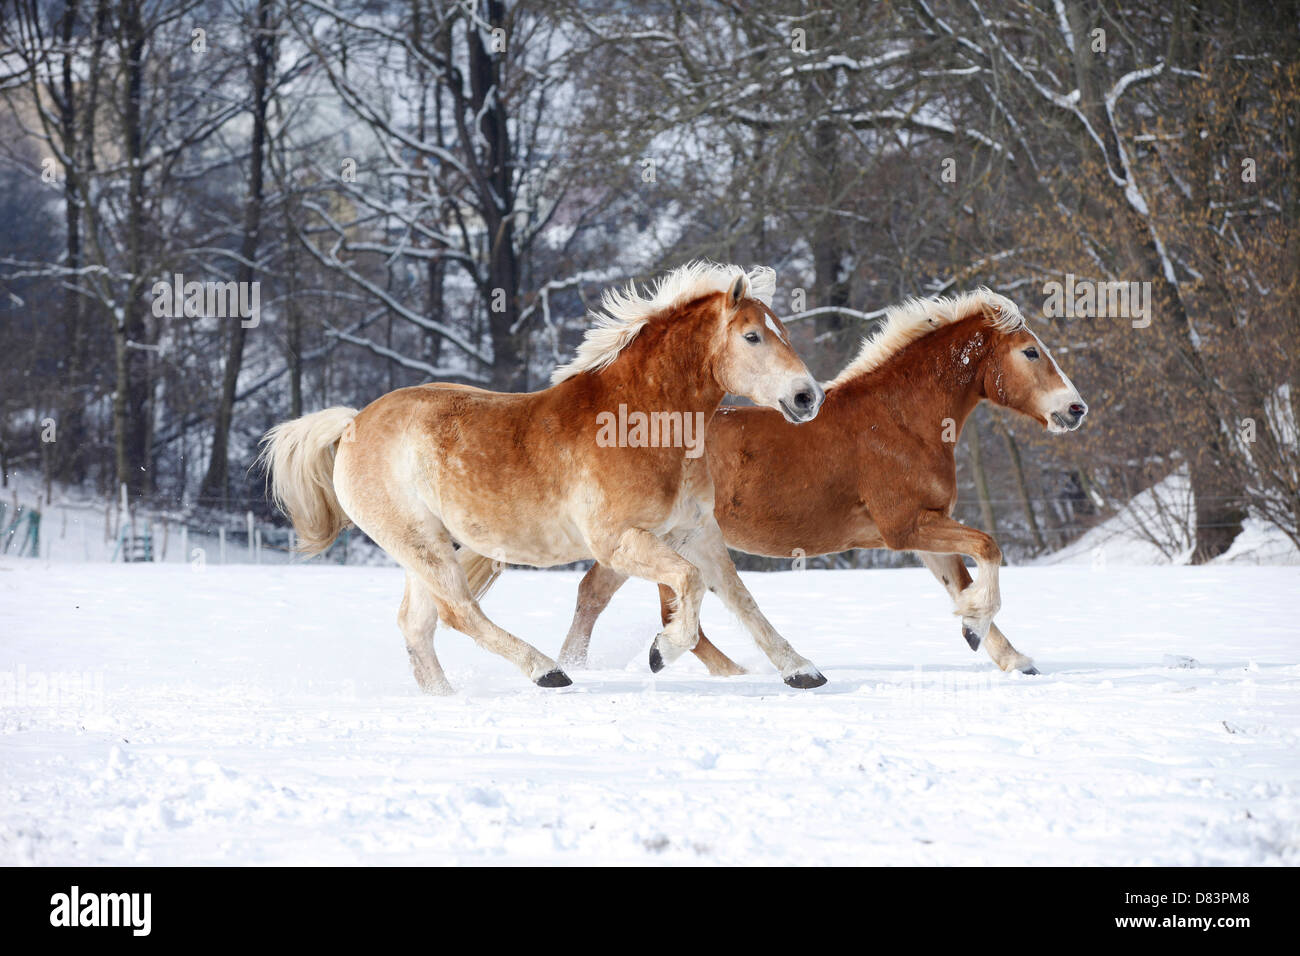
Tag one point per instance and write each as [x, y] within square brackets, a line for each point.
[976, 602]
[640, 553]
[594, 593]
[952, 574]
[718, 663]
[707, 548]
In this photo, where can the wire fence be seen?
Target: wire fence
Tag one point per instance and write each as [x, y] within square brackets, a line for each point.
[243, 529]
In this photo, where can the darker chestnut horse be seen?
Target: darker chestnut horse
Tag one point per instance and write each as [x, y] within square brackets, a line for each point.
[877, 469]
[544, 478]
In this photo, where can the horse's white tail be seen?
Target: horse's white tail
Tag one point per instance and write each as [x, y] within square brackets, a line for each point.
[480, 571]
[298, 457]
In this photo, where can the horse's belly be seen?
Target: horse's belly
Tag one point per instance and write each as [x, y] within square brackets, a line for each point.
[538, 537]
[778, 533]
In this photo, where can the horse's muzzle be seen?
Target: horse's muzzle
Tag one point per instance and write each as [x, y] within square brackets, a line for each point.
[1072, 417]
[803, 403]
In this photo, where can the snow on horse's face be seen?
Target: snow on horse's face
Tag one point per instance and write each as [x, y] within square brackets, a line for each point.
[753, 357]
[1022, 375]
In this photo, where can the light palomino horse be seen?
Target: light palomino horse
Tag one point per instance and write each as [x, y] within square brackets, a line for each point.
[877, 468]
[525, 478]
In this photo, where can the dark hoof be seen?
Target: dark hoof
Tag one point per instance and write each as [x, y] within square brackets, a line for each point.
[1031, 671]
[802, 681]
[972, 638]
[656, 659]
[555, 678]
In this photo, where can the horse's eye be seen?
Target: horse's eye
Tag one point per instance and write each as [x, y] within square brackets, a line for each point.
[753, 338]
[1031, 354]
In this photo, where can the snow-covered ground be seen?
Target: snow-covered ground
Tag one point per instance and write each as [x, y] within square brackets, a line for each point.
[240, 714]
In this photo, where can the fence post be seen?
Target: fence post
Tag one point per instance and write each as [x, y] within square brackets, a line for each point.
[34, 532]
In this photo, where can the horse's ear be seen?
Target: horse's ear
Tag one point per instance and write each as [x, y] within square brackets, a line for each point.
[739, 290]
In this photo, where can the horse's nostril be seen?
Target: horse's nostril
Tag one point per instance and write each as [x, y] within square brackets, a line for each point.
[1077, 409]
[803, 399]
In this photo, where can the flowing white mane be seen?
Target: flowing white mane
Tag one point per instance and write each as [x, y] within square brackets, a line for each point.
[625, 312]
[905, 323]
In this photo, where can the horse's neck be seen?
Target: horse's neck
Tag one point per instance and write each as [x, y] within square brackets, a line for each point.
[927, 382]
[665, 368]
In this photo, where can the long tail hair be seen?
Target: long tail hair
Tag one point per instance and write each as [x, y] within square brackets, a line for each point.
[298, 457]
[480, 571]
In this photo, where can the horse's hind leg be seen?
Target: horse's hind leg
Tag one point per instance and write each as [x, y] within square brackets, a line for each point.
[458, 608]
[426, 551]
[594, 594]
[718, 663]
[418, 619]
[952, 574]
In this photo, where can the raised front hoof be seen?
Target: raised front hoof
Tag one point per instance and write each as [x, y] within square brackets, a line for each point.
[972, 638]
[656, 659]
[555, 678]
[805, 680]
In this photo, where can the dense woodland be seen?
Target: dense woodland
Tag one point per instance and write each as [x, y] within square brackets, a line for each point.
[428, 189]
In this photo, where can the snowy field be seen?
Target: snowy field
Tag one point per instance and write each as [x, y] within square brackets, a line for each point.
[245, 715]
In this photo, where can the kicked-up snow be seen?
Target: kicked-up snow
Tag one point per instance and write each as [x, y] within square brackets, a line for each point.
[163, 714]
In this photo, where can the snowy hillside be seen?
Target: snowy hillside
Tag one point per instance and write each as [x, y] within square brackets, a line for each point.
[267, 715]
[1154, 528]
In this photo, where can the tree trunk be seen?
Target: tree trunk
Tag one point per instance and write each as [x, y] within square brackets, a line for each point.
[497, 200]
[435, 306]
[216, 484]
[69, 451]
[293, 317]
[981, 479]
[829, 248]
[131, 399]
[1022, 487]
[1218, 518]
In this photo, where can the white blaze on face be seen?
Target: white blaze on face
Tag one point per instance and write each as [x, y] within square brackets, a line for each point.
[1059, 399]
[776, 329]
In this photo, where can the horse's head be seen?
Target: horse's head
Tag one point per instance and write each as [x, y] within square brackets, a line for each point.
[1022, 375]
[752, 356]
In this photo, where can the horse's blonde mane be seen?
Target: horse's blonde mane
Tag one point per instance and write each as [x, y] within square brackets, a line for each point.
[625, 312]
[905, 323]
